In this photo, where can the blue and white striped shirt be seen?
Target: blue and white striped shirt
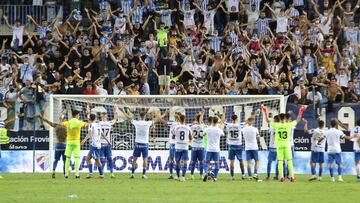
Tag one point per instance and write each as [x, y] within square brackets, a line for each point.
[262, 25]
[126, 6]
[137, 16]
[204, 4]
[166, 17]
[234, 37]
[215, 43]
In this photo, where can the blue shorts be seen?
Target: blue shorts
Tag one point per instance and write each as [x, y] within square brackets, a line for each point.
[181, 155]
[141, 148]
[357, 156]
[94, 152]
[105, 151]
[252, 154]
[172, 151]
[197, 154]
[317, 157]
[334, 157]
[235, 150]
[272, 154]
[212, 156]
[60, 151]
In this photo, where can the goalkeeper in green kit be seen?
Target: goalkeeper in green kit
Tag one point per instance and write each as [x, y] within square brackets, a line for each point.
[282, 141]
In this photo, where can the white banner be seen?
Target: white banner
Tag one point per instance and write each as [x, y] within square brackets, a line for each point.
[21, 161]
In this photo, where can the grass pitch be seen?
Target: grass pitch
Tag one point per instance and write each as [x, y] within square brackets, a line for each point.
[41, 188]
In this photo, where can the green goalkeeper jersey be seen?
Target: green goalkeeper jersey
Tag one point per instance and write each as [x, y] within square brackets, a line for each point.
[283, 133]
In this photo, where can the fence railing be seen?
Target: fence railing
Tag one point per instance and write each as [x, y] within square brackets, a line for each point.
[19, 12]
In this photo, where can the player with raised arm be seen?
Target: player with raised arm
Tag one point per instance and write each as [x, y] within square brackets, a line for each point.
[73, 129]
[142, 132]
[272, 152]
[355, 137]
[333, 137]
[182, 136]
[171, 158]
[60, 132]
[282, 141]
[251, 134]
[318, 142]
[106, 153]
[213, 149]
[234, 140]
[95, 134]
[197, 145]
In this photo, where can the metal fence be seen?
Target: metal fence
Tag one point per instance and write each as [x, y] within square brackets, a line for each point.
[19, 12]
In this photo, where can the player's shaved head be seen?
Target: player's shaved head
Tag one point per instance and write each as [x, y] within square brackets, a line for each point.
[234, 117]
[215, 120]
[321, 124]
[182, 118]
[75, 113]
[276, 119]
[288, 116]
[333, 123]
[142, 115]
[282, 117]
[210, 119]
[92, 117]
[250, 120]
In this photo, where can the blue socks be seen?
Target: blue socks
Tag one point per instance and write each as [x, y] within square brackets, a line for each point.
[55, 165]
[268, 168]
[101, 170]
[255, 170]
[331, 172]
[90, 167]
[201, 166]
[192, 167]
[232, 172]
[110, 164]
[171, 167]
[184, 168]
[206, 168]
[177, 169]
[320, 172]
[216, 170]
[313, 172]
[144, 171]
[339, 171]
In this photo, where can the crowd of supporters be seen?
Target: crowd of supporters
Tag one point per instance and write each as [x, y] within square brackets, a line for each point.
[305, 49]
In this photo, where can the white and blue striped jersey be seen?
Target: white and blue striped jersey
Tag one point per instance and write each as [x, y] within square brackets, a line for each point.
[234, 37]
[106, 130]
[317, 146]
[182, 134]
[137, 16]
[356, 133]
[166, 17]
[198, 136]
[213, 134]
[172, 126]
[233, 130]
[261, 25]
[95, 135]
[126, 6]
[204, 4]
[333, 137]
[298, 2]
[215, 43]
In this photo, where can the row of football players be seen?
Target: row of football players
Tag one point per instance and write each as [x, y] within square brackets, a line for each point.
[181, 135]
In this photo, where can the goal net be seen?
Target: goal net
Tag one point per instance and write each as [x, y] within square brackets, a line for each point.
[122, 136]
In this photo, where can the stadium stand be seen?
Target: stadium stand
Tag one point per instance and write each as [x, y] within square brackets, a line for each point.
[308, 50]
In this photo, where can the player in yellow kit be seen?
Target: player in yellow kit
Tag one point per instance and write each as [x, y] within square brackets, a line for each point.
[282, 141]
[73, 128]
